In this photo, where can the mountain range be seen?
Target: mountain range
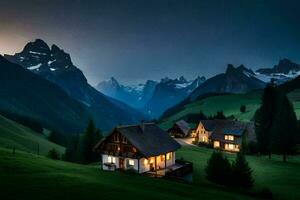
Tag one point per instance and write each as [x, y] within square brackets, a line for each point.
[111, 103]
[234, 80]
[134, 95]
[26, 94]
[284, 71]
[240, 80]
[55, 65]
[152, 97]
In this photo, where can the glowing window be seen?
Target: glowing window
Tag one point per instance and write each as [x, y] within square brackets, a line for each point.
[111, 159]
[152, 160]
[169, 156]
[145, 162]
[131, 162]
[229, 137]
[216, 144]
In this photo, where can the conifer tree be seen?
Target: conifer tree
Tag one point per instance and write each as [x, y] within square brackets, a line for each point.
[218, 169]
[241, 172]
[72, 153]
[284, 131]
[264, 118]
[89, 140]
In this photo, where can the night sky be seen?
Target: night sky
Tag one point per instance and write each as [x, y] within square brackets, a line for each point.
[138, 40]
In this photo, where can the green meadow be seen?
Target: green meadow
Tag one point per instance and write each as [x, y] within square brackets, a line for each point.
[230, 104]
[14, 135]
[29, 176]
[283, 179]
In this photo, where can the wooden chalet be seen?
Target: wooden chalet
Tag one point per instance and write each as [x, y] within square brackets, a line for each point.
[142, 148]
[224, 134]
[180, 129]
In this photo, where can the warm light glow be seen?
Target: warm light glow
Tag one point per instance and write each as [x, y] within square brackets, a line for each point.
[131, 162]
[229, 137]
[232, 147]
[152, 160]
[168, 156]
[216, 144]
[111, 159]
[145, 162]
[119, 148]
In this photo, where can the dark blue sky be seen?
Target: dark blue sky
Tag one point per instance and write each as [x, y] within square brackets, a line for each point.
[138, 40]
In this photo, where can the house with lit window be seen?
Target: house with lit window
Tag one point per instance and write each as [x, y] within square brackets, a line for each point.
[180, 129]
[224, 134]
[142, 148]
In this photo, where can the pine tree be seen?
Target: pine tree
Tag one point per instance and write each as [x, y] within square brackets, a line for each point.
[53, 154]
[72, 153]
[218, 169]
[241, 172]
[284, 138]
[89, 140]
[264, 118]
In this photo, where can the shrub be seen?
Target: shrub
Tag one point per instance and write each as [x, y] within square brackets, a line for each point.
[266, 193]
[53, 154]
[205, 144]
[243, 108]
[131, 171]
[218, 169]
[252, 148]
[241, 172]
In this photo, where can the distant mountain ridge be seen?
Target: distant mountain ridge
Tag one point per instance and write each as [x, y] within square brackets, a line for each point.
[284, 71]
[26, 94]
[56, 66]
[234, 80]
[169, 92]
[151, 97]
[134, 95]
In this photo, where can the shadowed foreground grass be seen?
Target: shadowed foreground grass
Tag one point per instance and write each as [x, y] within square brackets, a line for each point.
[283, 179]
[27, 176]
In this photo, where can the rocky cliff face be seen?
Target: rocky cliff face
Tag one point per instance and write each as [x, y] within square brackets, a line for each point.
[234, 80]
[56, 66]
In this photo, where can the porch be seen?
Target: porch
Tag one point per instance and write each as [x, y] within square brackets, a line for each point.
[180, 170]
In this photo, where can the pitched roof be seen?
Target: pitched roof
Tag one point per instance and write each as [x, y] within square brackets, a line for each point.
[237, 132]
[209, 125]
[221, 127]
[148, 138]
[184, 126]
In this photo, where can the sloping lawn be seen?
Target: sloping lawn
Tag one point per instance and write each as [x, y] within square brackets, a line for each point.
[230, 105]
[282, 178]
[14, 135]
[27, 176]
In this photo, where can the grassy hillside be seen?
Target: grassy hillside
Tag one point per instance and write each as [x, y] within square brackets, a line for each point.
[22, 138]
[26, 94]
[230, 105]
[27, 176]
[283, 179]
